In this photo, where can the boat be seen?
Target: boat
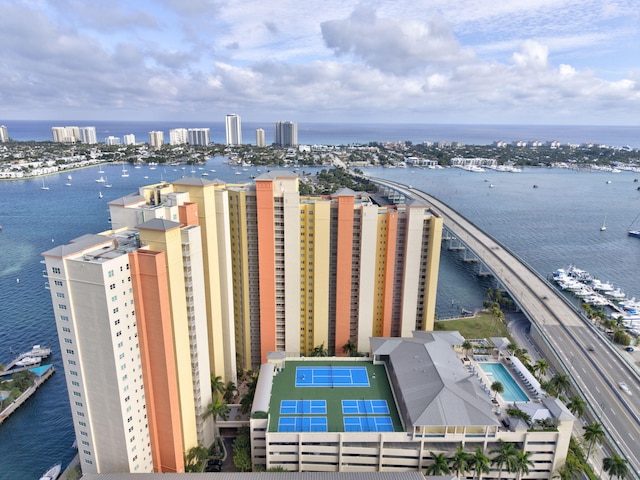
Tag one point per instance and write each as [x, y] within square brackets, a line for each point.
[124, 172]
[604, 224]
[107, 184]
[28, 361]
[634, 233]
[101, 180]
[100, 194]
[44, 186]
[53, 473]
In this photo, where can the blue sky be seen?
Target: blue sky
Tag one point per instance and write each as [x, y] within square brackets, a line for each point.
[388, 61]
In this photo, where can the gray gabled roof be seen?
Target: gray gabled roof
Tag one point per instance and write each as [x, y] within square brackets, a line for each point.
[198, 181]
[273, 174]
[160, 224]
[433, 385]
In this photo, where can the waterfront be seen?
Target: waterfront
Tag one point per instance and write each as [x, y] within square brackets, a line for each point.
[549, 227]
[349, 133]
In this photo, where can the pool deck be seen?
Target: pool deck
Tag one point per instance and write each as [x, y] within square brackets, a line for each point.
[473, 365]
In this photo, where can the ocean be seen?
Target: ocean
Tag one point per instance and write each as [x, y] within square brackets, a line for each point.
[549, 227]
[349, 134]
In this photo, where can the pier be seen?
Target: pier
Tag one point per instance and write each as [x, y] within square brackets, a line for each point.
[40, 379]
[36, 352]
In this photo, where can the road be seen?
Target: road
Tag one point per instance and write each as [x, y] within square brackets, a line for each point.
[595, 373]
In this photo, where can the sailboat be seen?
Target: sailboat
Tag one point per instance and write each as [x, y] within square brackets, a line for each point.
[634, 233]
[100, 194]
[69, 177]
[44, 187]
[106, 183]
[124, 171]
[604, 224]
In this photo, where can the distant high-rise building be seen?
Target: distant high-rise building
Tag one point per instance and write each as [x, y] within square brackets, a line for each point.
[129, 139]
[260, 141]
[178, 136]
[286, 134]
[199, 136]
[4, 134]
[233, 129]
[66, 134]
[156, 139]
[88, 135]
[111, 140]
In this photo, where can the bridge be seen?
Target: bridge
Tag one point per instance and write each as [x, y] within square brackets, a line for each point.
[561, 332]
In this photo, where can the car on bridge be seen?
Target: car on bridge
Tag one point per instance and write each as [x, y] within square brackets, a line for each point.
[624, 388]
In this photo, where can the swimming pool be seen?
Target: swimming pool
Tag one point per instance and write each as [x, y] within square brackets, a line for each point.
[512, 391]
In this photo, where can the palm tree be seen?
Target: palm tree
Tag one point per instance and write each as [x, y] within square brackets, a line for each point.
[561, 382]
[230, 392]
[217, 385]
[497, 388]
[593, 433]
[504, 457]
[541, 367]
[319, 351]
[576, 406]
[440, 465]
[461, 461]
[217, 408]
[480, 463]
[194, 459]
[350, 348]
[615, 466]
[466, 347]
[522, 463]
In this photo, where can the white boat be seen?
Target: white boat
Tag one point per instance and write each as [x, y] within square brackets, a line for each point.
[53, 473]
[44, 187]
[106, 183]
[616, 294]
[602, 286]
[28, 361]
[124, 172]
[604, 224]
[100, 194]
[101, 180]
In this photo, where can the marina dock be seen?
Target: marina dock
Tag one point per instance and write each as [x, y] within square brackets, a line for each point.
[42, 375]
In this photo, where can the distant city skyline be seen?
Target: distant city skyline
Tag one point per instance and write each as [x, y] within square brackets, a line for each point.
[432, 61]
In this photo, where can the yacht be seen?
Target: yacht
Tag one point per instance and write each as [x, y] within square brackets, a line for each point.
[53, 473]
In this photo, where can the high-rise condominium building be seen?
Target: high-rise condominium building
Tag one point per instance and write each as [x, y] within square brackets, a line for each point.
[111, 140]
[260, 139]
[199, 136]
[178, 136]
[286, 134]
[199, 277]
[66, 134]
[233, 129]
[4, 134]
[156, 139]
[129, 139]
[88, 135]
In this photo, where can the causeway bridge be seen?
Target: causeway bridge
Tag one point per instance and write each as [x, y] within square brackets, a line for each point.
[561, 332]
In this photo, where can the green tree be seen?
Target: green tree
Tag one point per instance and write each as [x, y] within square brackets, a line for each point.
[497, 388]
[561, 382]
[522, 463]
[247, 399]
[23, 379]
[541, 367]
[593, 433]
[467, 346]
[480, 463]
[461, 461]
[319, 351]
[504, 458]
[615, 466]
[350, 348]
[576, 406]
[230, 392]
[216, 409]
[440, 465]
[194, 460]
[217, 385]
[242, 450]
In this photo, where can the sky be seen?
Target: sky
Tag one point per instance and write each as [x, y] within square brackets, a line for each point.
[542, 62]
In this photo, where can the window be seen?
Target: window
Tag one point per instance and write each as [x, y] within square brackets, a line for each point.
[111, 273]
[62, 306]
[73, 372]
[57, 283]
[72, 362]
[66, 329]
[59, 294]
[55, 270]
[64, 318]
[68, 340]
[70, 352]
[76, 394]
[74, 383]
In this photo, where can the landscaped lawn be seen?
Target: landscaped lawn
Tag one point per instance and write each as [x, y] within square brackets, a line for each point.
[482, 325]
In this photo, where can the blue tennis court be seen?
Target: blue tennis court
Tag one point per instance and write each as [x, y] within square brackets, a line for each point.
[368, 424]
[375, 407]
[302, 424]
[296, 407]
[332, 377]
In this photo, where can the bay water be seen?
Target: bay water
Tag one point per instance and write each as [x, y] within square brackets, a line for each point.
[549, 227]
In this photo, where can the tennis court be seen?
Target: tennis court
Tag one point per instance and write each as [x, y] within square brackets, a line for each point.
[302, 424]
[368, 424]
[370, 407]
[310, 407]
[332, 377]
